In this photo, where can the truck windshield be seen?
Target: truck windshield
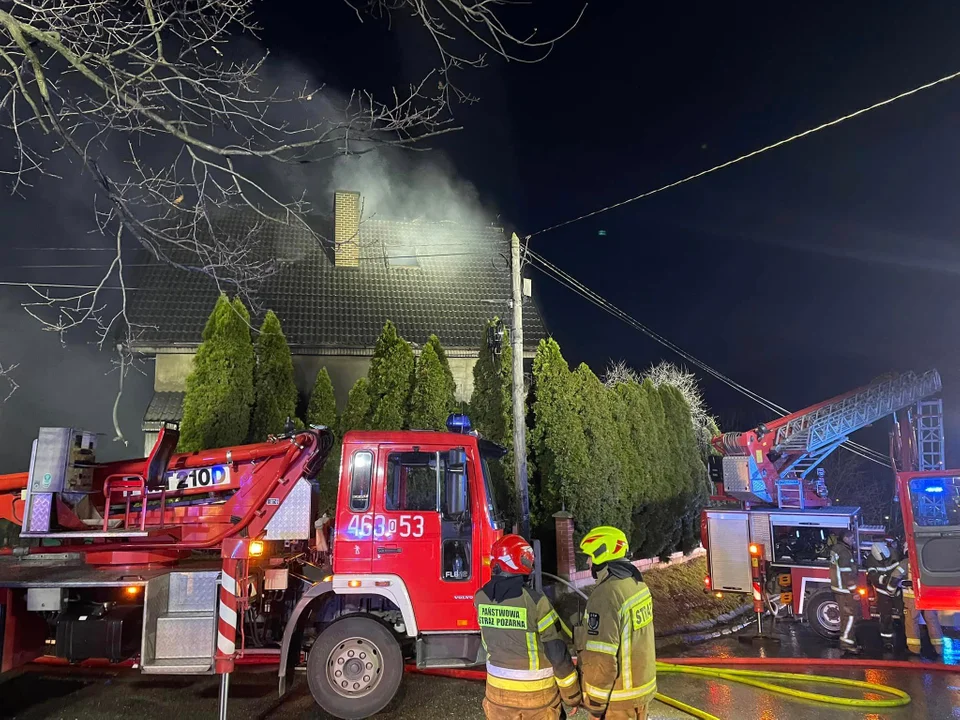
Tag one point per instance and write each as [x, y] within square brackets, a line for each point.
[936, 501]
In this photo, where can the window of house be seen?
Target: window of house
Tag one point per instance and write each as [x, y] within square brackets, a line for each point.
[361, 474]
[413, 480]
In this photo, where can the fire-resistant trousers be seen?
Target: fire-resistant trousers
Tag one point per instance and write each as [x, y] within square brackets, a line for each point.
[885, 607]
[911, 626]
[849, 614]
[623, 711]
[502, 704]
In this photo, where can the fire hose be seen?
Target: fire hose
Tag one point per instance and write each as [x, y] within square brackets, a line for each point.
[762, 680]
[755, 678]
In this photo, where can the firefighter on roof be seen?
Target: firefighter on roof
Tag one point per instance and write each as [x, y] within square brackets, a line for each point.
[618, 659]
[529, 669]
[843, 582]
[880, 575]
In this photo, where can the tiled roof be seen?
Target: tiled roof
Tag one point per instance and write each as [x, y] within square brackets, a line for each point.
[164, 407]
[462, 281]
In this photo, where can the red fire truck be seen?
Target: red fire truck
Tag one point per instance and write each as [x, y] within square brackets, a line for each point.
[772, 494]
[194, 563]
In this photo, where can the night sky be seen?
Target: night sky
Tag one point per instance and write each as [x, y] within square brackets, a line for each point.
[802, 273]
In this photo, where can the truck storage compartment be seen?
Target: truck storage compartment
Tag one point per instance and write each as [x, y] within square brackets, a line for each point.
[180, 623]
[729, 550]
[100, 630]
[802, 539]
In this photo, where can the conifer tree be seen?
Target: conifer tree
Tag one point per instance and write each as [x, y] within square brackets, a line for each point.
[275, 391]
[391, 379]
[219, 392]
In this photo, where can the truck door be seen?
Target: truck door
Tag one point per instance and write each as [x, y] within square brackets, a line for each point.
[422, 532]
[935, 534]
[353, 542]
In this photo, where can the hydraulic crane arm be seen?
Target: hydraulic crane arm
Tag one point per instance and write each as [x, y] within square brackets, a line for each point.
[783, 452]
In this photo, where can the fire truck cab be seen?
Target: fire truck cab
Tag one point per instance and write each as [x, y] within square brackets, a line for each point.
[415, 521]
[193, 563]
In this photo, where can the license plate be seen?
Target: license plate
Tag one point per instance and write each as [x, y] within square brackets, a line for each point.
[198, 478]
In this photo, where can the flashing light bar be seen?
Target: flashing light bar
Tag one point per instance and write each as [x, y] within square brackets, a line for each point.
[459, 423]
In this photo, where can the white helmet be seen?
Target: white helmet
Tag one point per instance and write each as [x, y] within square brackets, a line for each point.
[880, 551]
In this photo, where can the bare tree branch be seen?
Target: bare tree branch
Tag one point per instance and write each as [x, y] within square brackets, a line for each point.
[121, 83]
[7, 377]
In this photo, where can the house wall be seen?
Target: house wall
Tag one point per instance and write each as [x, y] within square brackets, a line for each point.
[171, 370]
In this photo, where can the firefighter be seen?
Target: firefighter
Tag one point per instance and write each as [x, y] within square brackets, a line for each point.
[843, 582]
[911, 616]
[885, 582]
[618, 659]
[529, 669]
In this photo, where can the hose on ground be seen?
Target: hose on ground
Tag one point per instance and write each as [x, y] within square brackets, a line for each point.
[760, 679]
[754, 678]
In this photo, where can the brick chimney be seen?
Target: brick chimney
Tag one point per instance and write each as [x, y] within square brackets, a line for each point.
[346, 228]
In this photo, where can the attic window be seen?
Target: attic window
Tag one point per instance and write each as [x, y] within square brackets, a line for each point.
[401, 256]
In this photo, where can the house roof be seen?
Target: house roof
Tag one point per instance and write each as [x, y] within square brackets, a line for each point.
[460, 280]
[164, 407]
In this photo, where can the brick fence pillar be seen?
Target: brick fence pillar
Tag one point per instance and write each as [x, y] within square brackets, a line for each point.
[566, 563]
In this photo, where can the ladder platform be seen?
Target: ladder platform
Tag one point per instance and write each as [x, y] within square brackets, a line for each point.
[93, 533]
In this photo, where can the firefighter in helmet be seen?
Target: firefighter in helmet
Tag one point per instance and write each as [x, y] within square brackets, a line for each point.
[881, 577]
[529, 669]
[911, 616]
[843, 582]
[618, 658]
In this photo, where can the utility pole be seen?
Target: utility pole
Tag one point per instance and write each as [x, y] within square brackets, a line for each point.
[519, 396]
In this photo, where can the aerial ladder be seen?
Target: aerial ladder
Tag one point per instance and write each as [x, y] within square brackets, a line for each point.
[774, 463]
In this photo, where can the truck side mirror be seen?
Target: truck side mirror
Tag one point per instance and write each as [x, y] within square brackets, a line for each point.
[456, 504]
[456, 460]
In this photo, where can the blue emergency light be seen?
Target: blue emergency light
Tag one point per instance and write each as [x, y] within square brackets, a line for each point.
[459, 423]
[934, 488]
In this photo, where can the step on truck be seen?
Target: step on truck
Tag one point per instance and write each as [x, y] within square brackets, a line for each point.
[195, 563]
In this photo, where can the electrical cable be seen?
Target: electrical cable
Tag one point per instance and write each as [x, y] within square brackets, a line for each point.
[582, 290]
[754, 153]
[575, 285]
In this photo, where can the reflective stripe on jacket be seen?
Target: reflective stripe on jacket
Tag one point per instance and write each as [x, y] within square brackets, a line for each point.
[880, 575]
[618, 659]
[843, 569]
[525, 650]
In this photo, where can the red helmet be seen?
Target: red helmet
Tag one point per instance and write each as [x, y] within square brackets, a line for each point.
[512, 554]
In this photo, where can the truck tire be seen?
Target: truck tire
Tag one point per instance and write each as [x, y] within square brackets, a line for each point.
[354, 668]
[823, 614]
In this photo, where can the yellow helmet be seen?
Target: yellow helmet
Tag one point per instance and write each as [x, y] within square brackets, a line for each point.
[604, 543]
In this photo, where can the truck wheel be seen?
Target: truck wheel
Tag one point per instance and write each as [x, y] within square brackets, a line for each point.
[354, 668]
[823, 614]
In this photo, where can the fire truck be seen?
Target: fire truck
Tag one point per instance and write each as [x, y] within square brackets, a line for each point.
[194, 563]
[772, 498]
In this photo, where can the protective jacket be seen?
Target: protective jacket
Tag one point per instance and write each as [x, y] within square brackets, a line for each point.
[843, 569]
[527, 659]
[882, 575]
[618, 657]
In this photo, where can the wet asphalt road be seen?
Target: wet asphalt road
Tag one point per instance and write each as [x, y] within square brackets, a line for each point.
[126, 695]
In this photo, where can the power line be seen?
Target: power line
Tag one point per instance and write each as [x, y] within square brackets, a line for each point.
[572, 283]
[749, 155]
[75, 266]
[64, 285]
